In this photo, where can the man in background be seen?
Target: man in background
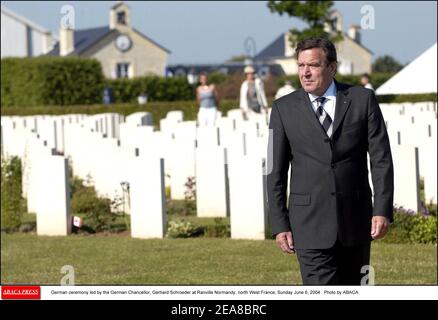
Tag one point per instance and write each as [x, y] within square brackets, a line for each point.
[365, 81]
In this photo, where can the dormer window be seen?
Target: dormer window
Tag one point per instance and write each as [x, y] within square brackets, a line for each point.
[121, 17]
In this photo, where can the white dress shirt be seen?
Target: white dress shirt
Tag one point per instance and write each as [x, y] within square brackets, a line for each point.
[329, 104]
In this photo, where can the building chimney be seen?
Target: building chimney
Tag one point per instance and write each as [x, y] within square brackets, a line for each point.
[353, 33]
[66, 41]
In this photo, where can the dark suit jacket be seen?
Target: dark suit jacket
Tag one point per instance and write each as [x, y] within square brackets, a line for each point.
[329, 189]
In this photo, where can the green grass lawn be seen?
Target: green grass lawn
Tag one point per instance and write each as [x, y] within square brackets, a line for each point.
[119, 259]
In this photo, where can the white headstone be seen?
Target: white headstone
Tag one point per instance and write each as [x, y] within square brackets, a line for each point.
[406, 176]
[211, 182]
[248, 205]
[148, 203]
[53, 194]
[140, 119]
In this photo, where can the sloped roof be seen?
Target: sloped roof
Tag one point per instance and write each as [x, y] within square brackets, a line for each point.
[118, 4]
[419, 76]
[274, 49]
[83, 39]
[86, 38]
[23, 20]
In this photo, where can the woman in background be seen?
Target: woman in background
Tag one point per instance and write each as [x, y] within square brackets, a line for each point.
[252, 94]
[207, 97]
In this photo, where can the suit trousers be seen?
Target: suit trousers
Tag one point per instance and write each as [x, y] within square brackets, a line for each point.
[339, 265]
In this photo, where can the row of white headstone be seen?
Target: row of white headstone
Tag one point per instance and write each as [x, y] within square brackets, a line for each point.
[412, 130]
[107, 151]
[227, 160]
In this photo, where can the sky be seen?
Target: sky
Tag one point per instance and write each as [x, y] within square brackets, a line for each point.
[214, 31]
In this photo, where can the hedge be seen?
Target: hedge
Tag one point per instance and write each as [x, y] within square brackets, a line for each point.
[50, 81]
[400, 98]
[61, 81]
[156, 88]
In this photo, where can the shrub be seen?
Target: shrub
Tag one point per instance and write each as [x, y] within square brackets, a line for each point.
[423, 229]
[12, 203]
[27, 227]
[392, 98]
[50, 81]
[97, 211]
[190, 197]
[409, 227]
[217, 77]
[182, 229]
[220, 229]
[156, 88]
[431, 208]
[230, 89]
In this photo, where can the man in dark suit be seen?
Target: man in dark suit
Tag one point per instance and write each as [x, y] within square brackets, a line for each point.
[324, 131]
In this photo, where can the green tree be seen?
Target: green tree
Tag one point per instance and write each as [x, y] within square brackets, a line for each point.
[314, 13]
[238, 58]
[387, 64]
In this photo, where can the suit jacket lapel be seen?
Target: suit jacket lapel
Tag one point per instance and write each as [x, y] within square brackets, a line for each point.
[306, 108]
[343, 101]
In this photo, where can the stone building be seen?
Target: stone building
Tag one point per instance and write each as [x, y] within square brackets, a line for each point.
[123, 51]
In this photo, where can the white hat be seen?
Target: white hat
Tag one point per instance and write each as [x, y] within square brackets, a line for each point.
[249, 69]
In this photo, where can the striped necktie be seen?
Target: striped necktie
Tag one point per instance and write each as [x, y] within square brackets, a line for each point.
[324, 118]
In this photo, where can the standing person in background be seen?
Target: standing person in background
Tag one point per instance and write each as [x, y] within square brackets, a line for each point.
[365, 81]
[284, 90]
[208, 100]
[252, 94]
[142, 98]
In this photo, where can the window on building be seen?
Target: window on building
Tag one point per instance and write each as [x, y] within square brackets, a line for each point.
[345, 67]
[122, 70]
[121, 17]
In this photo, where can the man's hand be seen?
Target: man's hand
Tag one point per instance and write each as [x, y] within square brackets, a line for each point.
[379, 227]
[285, 242]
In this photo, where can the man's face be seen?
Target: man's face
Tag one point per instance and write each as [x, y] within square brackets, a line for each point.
[315, 74]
